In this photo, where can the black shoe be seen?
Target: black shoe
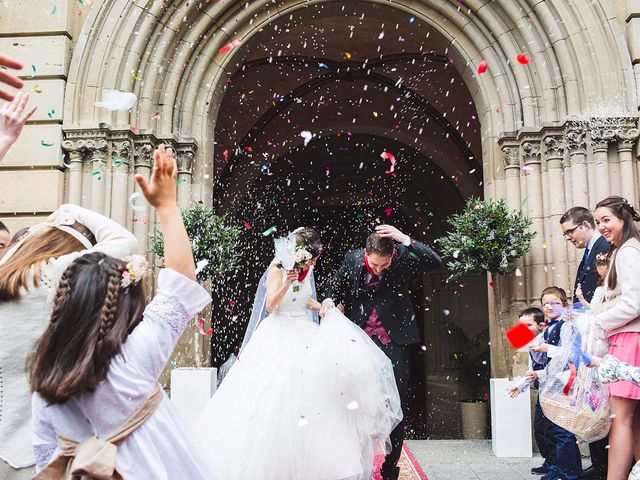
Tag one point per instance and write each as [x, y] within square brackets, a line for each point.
[541, 470]
[593, 473]
[390, 473]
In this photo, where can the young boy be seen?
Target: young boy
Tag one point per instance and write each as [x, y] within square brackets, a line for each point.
[564, 452]
[534, 318]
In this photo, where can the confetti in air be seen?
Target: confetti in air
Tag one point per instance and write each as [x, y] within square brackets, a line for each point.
[132, 199]
[114, 100]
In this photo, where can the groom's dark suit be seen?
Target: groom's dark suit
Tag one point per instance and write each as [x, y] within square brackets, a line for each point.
[391, 298]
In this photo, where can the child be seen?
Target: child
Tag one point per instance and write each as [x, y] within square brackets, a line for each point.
[533, 318]
[98, 411]
[567, 463]
[602, 266]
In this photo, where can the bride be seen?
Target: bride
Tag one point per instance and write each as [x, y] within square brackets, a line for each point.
[305, 400]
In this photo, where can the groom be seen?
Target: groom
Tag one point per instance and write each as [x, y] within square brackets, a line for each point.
[372, 285]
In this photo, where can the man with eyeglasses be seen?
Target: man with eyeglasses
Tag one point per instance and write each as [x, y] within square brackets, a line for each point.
[579, 228]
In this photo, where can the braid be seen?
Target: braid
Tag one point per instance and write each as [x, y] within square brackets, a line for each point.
[64, 287]
[110, 306]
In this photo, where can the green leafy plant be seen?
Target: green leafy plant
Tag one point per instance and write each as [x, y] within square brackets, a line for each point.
[211, 240]
[488, 237]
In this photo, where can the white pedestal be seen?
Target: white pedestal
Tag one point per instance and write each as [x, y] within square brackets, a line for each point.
[510, 421]
[191, 389]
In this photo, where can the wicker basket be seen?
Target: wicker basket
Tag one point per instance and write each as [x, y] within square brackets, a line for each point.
[583, 422]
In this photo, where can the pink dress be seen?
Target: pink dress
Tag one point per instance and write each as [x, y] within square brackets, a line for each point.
[625, 346]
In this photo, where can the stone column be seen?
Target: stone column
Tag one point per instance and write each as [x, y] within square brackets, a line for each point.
[513, 199]
[557, 251]
[98, 150]
[627, 137]
[121, 154]
[601, 136]
[530, 149]
[185, 156]
[73, 150]
[142, 162]
[574, 139]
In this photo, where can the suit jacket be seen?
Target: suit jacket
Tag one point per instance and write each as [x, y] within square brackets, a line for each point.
[391, 298]
[587, 275]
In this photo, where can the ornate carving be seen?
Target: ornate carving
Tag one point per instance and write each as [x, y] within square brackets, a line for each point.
[531, 152]
[627, 137]
[554, 147]
[121, 153]
[142, 154]
[185, 155]
[511, 157]
[574, 138]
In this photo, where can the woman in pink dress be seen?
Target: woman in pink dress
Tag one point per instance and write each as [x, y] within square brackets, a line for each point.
[620, 318]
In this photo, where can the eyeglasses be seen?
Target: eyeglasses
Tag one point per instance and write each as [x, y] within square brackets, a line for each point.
[570, 231]
[551, 304]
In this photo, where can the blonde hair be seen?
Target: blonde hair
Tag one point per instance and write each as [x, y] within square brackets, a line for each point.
[33, 252]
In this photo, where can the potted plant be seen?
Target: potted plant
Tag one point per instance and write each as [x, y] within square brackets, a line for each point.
[214, 245]
[487, 237]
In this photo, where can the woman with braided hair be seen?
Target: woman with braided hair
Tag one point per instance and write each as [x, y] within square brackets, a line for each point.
[620, 318]
[98, 411]
[29, 275]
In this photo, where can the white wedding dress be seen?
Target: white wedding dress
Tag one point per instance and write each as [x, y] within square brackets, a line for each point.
[303, 402]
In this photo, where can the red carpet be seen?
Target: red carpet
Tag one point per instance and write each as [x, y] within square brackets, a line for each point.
[409, 467]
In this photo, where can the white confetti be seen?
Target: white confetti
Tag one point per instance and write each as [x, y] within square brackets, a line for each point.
[353, 405]
[307, 135]
[302, 422]
[200, 265]
[116, 100]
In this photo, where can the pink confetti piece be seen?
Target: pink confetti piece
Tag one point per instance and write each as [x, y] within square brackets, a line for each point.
[523, 59]
[482, 67]
[392, 159]
[201, 328]
[229, 46]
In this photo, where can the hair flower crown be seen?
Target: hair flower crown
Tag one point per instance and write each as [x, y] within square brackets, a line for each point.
[136, 269]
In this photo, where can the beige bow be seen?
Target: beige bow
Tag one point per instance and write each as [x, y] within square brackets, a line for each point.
[95, 458]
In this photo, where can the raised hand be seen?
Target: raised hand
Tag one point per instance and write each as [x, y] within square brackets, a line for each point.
[393, 232]
[13, 116]
[8, 78]
[161, 192]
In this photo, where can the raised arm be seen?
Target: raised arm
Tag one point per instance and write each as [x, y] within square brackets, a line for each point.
[7, 78]
[13, 116]
[277, 287]
[420, 257]
[161, 193]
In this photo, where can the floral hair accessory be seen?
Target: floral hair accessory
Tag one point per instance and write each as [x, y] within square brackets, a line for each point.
[136, 269]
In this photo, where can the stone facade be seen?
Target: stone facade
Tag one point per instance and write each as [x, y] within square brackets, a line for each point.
[561, 132]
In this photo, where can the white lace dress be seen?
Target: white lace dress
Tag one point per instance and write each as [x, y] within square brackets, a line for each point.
[24, 319]
[162, 448]
[303, 402]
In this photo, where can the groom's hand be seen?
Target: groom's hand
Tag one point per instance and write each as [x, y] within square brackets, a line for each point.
[326, 305]
[393, 232]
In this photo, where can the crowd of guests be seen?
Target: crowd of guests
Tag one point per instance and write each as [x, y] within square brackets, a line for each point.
[606, 283]
[65, 289]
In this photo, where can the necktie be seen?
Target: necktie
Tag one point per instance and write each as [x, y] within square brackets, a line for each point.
[585, 257]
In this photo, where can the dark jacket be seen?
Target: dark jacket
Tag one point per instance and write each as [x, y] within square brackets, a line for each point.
[391, 298]
[587, 275]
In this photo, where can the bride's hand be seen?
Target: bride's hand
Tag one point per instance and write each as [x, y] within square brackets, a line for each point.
[326, 305]
[292, 276]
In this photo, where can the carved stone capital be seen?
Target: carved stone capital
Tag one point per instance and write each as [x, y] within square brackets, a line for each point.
[143, 153]
[575, 138]
[554, 147]
[531, 152]
[185, 156]
[511, 156]
[121, 152]
[627, 136]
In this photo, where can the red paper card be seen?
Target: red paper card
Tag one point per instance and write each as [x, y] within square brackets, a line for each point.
[519, 335]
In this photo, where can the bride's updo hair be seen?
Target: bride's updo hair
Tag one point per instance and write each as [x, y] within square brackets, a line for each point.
[310, 238]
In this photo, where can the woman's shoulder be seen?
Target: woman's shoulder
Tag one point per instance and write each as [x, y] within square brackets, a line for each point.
[629, 249]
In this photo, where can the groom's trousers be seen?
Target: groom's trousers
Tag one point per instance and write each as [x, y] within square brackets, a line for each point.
[401, 360]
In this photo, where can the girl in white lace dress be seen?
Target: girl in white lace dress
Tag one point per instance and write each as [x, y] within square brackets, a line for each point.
[97, 365]
[304, 401]
[29, 275]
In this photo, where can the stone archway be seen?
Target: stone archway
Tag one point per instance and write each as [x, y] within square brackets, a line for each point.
[557, 117]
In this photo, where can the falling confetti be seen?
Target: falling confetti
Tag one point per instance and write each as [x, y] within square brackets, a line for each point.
[114, 100]
[352, 405]
[201, 328]
[307, 136]
[132, 198]
[46, 144]
[302, 422]
[523, 59]
[37, 89]
[446, 312]
[200, 265]
[54, 9]
[33, 71]
[482, 67]
[392, 159]
[229, 46]
[269, 231]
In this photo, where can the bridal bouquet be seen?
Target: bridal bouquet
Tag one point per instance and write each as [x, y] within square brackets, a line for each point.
[291, 255]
